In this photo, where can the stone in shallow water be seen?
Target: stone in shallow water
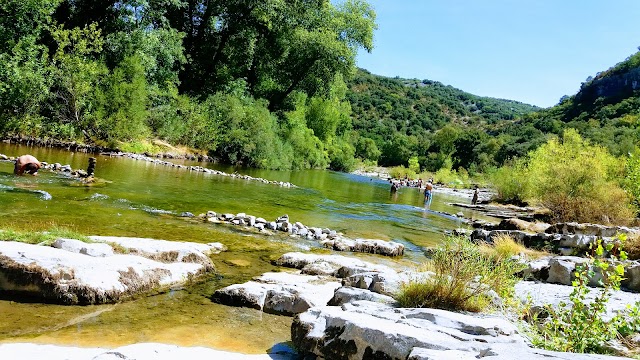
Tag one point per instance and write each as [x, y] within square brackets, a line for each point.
[73, 278]
[239, 262]
[279, 293]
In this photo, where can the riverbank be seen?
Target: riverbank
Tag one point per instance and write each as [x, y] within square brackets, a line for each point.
[141, 351]
[356, 313]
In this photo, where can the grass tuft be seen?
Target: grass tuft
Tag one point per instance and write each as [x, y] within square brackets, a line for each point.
[505, 247]
[41, 237]
[464, 278]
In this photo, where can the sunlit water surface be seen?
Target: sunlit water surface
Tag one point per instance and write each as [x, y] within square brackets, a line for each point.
[136, 198]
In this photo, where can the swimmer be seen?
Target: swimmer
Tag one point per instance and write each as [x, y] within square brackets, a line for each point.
[28, 164]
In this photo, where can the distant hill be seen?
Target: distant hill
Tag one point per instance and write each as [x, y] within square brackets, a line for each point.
[605, 110]
[412, 106]
[398, 113]
[424, 118]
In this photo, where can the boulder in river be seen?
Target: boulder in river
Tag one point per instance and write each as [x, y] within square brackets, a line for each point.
[73, 278]
[372, 246]
[279, 293]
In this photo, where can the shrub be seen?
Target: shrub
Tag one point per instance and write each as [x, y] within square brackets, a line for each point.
[463, 276]
[581, 325]
[575, 180]
[400, 172]
[632, 246]
[631, 182]
[511, 183]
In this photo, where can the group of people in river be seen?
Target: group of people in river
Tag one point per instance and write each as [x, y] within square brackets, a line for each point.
[428, 187]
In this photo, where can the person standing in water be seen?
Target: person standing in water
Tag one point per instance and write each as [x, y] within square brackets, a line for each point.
[428, 192]
[474, 200]
[28, 164]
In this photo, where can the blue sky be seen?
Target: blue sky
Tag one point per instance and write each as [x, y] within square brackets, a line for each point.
[532, 51]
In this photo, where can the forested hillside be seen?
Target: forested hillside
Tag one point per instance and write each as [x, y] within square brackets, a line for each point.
[442, 126]
[402, 116]
[269, 84]
[606, 110]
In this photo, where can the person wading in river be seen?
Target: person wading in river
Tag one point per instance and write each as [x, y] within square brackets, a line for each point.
[28, 164]
[427, 192]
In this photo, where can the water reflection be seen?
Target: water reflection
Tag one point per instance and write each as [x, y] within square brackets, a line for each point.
[142, 199]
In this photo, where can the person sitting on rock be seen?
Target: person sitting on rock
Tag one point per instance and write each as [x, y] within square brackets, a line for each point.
[28, 164]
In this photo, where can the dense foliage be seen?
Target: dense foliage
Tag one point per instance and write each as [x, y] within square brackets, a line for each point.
[257, 83]
[574, 179]
[425, 119]
[271, 84]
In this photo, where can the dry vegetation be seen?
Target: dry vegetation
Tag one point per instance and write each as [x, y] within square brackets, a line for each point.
[464, 276]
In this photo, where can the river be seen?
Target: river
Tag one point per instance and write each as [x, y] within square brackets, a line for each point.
[143, 199]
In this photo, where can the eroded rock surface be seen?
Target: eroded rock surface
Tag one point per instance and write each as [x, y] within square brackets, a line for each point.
[75, 278]
[279, 293]
[366, 330]
[166, 251]
[142, 351]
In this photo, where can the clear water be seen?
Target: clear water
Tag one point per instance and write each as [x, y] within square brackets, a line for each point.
[136, 198]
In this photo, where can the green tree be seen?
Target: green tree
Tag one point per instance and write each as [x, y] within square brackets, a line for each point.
[367, 149]
[25, 79]
[121, 108]
[77, 74]
[578, 181]
[21, 19]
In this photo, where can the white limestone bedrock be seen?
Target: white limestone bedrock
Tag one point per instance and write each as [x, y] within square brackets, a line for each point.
[142, 351]
[367, 330]
[176, 251]
[80, 278]
[279, 293]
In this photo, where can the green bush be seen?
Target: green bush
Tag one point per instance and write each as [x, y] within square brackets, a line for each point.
[575, 180]
[400, 172]
[631, 182]
[463, 276]
[511, 183]
[580, 326]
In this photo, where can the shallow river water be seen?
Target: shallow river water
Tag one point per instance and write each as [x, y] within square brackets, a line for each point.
[142, 199]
